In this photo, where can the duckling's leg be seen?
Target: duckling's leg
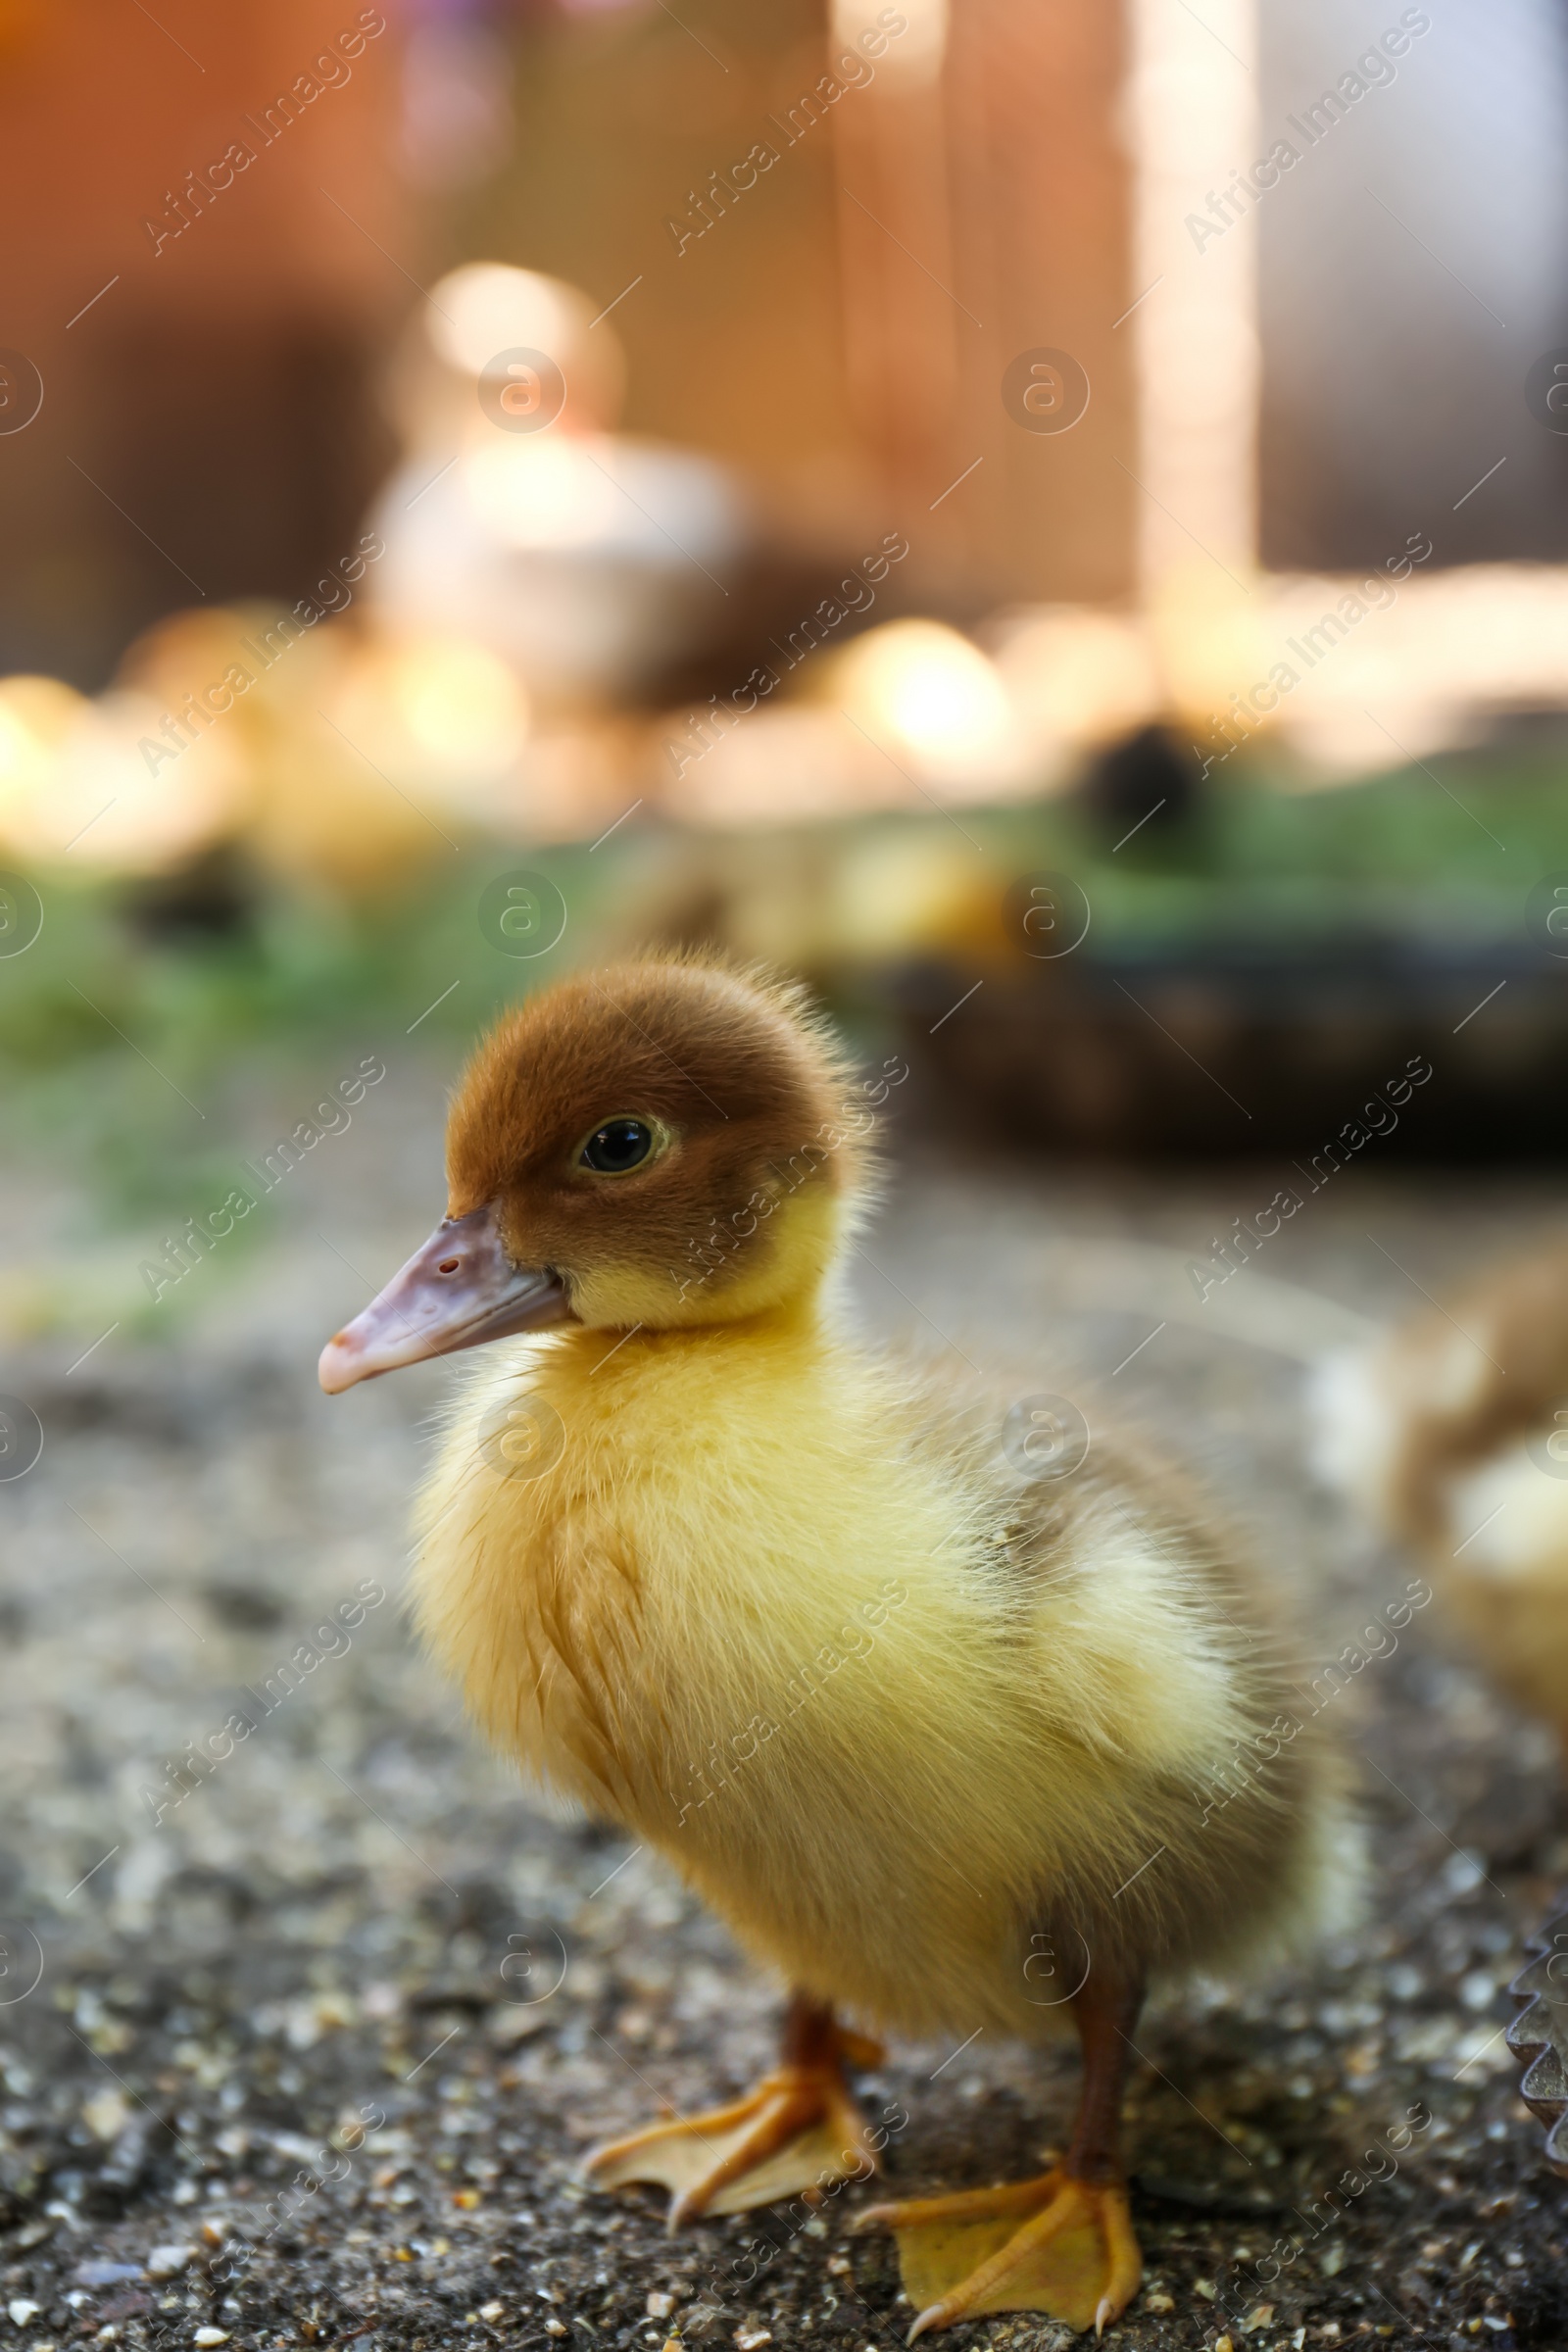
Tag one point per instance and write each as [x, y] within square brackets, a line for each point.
[799, 2130]
[1062, 2243]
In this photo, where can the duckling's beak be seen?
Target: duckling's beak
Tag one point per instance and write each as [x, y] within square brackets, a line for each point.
[458, 1291]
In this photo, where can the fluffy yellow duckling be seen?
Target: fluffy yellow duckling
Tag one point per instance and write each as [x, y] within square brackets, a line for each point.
[1450, 1433]
[936, 1739]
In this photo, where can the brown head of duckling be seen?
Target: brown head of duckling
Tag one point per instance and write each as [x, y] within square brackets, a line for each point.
[655, 1143]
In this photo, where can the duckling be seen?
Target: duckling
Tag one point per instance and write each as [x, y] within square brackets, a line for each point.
[1451, 1433]
[924, 1731]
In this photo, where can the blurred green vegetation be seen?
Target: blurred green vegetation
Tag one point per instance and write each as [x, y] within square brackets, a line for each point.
[137, 1047]
[130, 1043]
[1432, 858]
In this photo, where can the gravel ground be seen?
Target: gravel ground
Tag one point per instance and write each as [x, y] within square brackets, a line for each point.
[303, 2045]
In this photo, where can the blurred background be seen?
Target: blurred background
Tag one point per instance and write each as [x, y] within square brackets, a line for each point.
[839, 467]
[1049, 522]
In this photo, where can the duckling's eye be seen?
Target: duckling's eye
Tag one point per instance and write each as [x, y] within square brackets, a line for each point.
[617, 1147]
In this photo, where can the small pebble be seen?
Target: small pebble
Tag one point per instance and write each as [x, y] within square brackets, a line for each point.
[210, 2336]
[21, 2311]
[168, 2261]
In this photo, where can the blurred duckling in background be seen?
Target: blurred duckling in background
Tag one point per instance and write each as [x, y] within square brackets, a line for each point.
[840, 903]
[1451, 1433]
[926, 1734]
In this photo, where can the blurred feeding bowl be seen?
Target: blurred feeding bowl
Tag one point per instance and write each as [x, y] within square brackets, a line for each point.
[1330, 1051]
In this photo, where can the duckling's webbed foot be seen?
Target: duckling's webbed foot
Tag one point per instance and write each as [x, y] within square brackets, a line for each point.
[1062, 2243]
[1053, 2245]
[799, 2132]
